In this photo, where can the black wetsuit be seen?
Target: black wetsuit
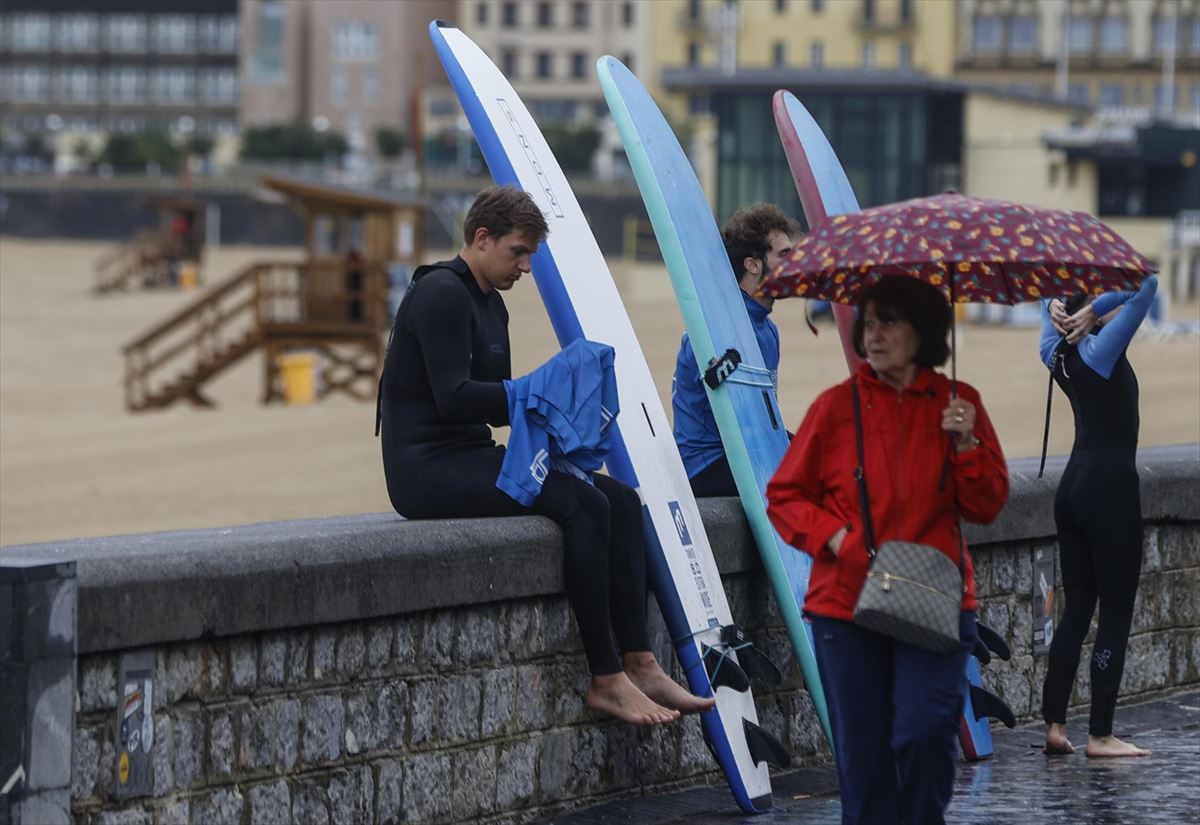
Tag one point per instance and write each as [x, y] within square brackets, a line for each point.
[441, 387]
[1099, 516]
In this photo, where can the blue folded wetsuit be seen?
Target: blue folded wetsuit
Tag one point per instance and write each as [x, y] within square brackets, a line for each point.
[561, 416]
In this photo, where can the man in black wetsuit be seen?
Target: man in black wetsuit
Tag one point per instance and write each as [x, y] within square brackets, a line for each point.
[442, 385]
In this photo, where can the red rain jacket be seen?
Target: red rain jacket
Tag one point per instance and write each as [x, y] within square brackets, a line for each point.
[813, 494]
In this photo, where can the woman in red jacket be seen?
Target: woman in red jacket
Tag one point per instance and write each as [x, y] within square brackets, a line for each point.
[930, 457]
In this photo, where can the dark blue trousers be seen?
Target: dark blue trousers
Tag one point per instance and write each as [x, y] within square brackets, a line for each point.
[894, 710]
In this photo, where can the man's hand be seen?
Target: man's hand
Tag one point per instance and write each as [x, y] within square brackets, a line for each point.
[1076, 326]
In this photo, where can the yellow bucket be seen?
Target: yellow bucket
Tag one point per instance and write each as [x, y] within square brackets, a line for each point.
[299, 371]
[188, 276]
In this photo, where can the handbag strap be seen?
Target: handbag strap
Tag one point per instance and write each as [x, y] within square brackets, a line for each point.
[860, 477]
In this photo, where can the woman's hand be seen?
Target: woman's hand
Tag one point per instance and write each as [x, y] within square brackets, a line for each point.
[1076, 326]
[958, 419]
[835, 542]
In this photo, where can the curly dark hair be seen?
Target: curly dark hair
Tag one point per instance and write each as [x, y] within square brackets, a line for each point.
[502, 209]
[747, 233]
[905, 298]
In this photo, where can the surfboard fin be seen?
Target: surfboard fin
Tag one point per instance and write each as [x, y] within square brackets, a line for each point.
[759, 666]
[988, 704]
[764, 747]
[993, 641]
[723, 671]
[981, 652]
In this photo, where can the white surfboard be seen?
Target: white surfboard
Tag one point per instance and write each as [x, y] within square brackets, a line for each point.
[582, 300]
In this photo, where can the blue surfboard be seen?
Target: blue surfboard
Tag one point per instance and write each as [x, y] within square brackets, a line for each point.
[825, 190]
[745, 405]
[582, 301]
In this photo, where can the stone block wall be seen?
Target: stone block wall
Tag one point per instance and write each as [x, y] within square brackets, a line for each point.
[371, 670]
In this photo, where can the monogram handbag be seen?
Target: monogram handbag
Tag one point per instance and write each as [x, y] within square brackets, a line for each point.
[913, 592]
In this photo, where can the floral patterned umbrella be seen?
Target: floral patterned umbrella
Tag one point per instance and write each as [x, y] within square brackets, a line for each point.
[976, 250]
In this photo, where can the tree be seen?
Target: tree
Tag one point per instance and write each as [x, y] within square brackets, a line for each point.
[200, 145]
[390, 142]
[292, 141]
[573, 144]
[121, 153]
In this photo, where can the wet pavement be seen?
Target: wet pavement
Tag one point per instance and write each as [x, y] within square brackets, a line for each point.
[1018, 784]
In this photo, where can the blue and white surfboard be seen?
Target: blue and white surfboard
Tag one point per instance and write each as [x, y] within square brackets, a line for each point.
[582, 301]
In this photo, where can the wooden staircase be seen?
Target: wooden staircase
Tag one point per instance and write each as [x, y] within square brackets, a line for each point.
[269, 306]
[142, 262]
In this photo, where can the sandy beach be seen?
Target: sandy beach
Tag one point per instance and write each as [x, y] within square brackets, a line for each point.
[74, 463]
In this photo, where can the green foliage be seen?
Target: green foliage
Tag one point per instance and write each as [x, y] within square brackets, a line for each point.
[292, 141]
[200, 145]
[132, 153]
[573, 144]
[390, 142]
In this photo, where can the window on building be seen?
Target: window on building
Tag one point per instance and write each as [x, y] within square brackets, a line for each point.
[627, 14]
[1077, 93]
[557, 110]
[79, 84]
[986, 35]
[30, 33]
[816, 54]
[78, 33]
[780, 6]
[818, 6]
[1022, 35]
[868, 7]
[579, 65]
[1165, 97]
[218, 85]
[1112, 94]
[1194, 99]
[779, 54]
[508, 63]
[1112, 35]
[173, 33]
[581, 14]
[371, 85]
[693, 9]
[172, 84]
[219, 35]
[126, 84]
[627, 59]
[905, 56]
[339, 86]
[1194, 37]
[266, 61]
[545, 15]
[31, 83]
[906, 10]
[125, 33]
[693, 53]
[481, 13]
[508, 14]
[868, 55]
[1165, 30]
[355, 40]
[544, 61]
[1079, 35]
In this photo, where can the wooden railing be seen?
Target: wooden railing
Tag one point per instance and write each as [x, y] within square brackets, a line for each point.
[265, 300]
[139, 258]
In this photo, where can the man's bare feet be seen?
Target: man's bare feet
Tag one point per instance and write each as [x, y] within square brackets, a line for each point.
[1103, 746]
[617, 696]
[1057, 743]
[648, 675]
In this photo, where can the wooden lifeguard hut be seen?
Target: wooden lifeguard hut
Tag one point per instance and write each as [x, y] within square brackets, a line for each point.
[333, 305]
[162, 256]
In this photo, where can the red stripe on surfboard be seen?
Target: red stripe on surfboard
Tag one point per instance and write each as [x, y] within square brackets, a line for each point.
[814, 213]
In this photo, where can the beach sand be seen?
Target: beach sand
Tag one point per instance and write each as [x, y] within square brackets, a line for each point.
[74, 463]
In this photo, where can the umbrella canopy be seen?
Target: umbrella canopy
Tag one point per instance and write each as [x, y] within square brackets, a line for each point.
[976, 250]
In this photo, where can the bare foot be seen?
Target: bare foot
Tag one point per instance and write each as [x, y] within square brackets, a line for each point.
[615, 695]
[1112, 746]
[1057, 743]
[648, 675]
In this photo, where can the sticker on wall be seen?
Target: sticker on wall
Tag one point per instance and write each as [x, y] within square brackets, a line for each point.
[1043, 600]
[135, 724]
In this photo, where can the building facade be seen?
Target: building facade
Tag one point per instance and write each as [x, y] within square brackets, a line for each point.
[1139, 54]
[119, 66]
[351, 66]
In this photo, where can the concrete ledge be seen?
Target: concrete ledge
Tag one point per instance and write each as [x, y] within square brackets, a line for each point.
[299, 573]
